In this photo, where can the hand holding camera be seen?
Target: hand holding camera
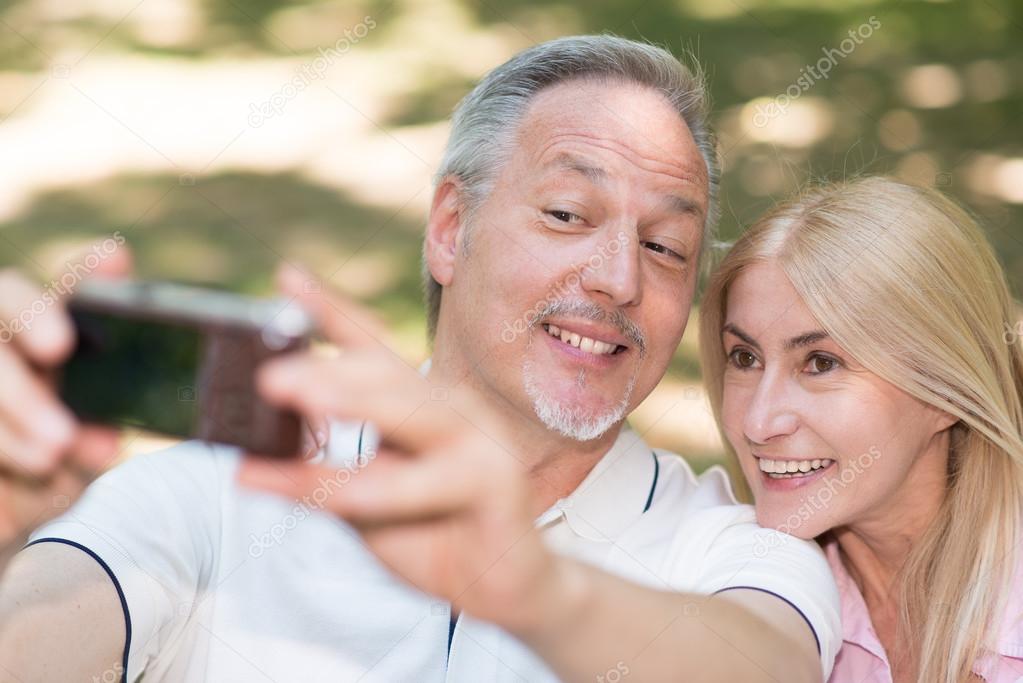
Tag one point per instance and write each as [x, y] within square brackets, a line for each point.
[47, 457]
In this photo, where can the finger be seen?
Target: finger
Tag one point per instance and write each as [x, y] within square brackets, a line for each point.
[386, 492]
[20, 457]
[401, 403]
[95, 449]
[40, 427]
[34, 322]
[29, 504]
[344, 322]
[315, 432]
[118, 264]
[87, 261]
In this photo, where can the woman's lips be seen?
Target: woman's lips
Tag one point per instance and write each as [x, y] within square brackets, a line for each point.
[791, 481]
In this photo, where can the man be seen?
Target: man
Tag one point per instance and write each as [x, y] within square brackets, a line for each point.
[561, 257]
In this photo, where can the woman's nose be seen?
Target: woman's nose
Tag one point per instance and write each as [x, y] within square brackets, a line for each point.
[771, 413]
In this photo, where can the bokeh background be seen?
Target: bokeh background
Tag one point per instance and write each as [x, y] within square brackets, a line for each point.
[220, 137]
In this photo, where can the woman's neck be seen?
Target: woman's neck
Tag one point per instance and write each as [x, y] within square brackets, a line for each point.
[875, 547]
[874, 559]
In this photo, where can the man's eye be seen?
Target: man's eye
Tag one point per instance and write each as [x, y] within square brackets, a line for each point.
[661, 249]
[819, 365]
[564, 216]
[742, 359]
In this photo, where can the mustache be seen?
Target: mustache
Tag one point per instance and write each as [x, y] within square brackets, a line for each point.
[591, 311]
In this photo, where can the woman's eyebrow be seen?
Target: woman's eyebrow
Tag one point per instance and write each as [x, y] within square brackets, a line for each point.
[806, 339]
[800, 341]
[734, 329]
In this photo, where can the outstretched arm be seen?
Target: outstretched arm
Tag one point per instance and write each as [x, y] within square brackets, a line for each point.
[450, 511]
[588, 624]
[60, 618]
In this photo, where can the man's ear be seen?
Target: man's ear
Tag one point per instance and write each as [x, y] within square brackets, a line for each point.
[444, 230]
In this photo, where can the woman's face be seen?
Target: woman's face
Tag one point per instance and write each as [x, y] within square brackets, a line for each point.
[823, 442]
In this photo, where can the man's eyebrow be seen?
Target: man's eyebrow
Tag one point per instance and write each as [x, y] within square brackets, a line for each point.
[598, 176]
[678, 204]
[734, 329]
[571, 162]
[806, 339]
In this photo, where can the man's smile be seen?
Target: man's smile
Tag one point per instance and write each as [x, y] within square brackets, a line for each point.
[599, 343]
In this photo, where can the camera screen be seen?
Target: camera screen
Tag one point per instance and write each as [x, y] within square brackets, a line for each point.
[135, 373]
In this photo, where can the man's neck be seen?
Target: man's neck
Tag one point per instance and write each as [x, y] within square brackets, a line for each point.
[563, 465]
[554, 464]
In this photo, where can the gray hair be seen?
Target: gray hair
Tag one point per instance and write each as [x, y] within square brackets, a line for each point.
[485, 122]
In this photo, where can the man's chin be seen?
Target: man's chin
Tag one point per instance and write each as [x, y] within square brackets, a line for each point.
[573, 424]
[575, 408]
[576, 417]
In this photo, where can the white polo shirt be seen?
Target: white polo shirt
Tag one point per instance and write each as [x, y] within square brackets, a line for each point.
[223, 583]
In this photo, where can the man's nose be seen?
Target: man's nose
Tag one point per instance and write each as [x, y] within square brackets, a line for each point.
[771, 413]
[615, 271]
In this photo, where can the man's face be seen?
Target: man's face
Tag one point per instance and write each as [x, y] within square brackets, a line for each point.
[577, 282]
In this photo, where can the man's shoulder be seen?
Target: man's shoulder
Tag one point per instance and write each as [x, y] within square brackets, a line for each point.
[680, 485]
[195, 465]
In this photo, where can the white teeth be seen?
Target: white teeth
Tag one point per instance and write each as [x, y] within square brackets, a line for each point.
[586, 344]
[786, 469]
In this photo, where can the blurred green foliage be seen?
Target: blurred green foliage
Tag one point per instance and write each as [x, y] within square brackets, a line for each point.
[230, 228]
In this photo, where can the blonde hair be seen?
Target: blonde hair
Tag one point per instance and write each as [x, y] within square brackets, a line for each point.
[905, 281]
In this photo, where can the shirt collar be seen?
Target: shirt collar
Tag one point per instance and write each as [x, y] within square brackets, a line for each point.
[857, 628]
[612, 496]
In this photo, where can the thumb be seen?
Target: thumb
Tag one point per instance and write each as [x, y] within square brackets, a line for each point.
[111, 258]
[345, 322]
[117, 265]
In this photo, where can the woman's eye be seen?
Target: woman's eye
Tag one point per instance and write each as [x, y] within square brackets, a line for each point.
[743, 359]
[564, 216]
[819, 365]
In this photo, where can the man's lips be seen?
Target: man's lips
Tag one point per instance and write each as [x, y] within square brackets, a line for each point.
[587, 335]
[602, 357]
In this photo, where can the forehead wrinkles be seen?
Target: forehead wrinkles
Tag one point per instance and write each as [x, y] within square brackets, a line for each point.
[583, 142]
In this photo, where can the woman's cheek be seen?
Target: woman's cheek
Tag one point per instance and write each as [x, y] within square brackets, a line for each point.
[733, 414]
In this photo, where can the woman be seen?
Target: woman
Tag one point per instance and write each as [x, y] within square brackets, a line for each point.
[853, 340]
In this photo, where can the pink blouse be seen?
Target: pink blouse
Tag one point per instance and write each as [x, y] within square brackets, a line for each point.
[863, 660]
